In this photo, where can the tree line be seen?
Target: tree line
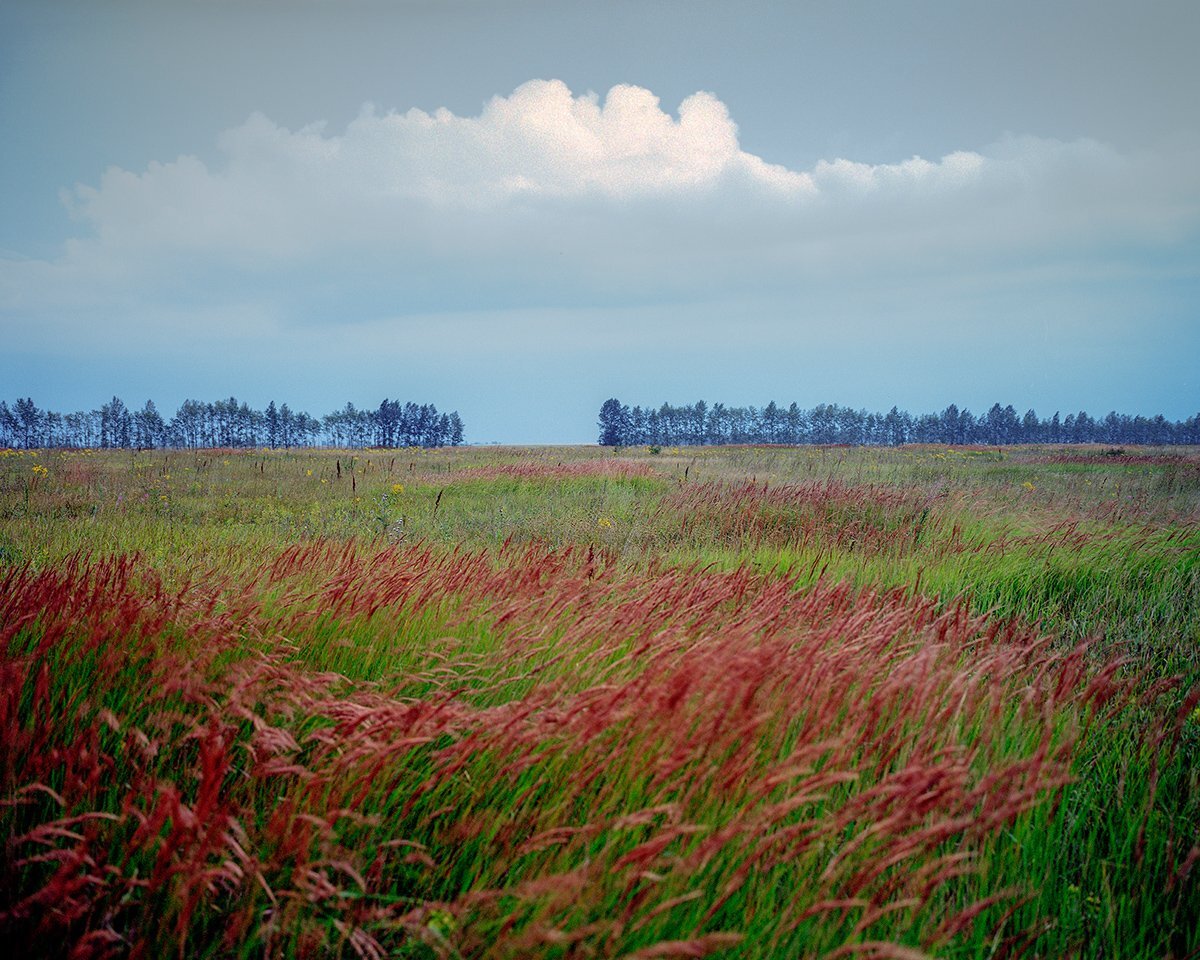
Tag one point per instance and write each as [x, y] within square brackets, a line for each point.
[228, 423]
[701, 424]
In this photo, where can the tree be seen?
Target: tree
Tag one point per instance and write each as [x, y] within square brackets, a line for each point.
[927, 428]
[1085, 427]
[272, 425]
[638, 432]
[82, 429]
[716, 429]
[427, 431]
[822, 420]
[307, 428]
[1031, 427]
[149, 430]
[225, 422]
[8, 426]
[287, 426]
[796, 423]
[739, 425]
[122, 424]
[669, 424]
[387, 423]
[850, 424]
[359, 426]
[613, 423]
[772, 422]
[28, 420]
[52, 429]
[456, 429]
[188, 425]
[1114, 428]
[696, 417]
[1054, 429]
[951, 428]
[895, 430]
[654, 428]
[1189, 431]
[873, 431]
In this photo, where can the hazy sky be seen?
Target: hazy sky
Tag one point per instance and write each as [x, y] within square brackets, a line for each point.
[517, 210]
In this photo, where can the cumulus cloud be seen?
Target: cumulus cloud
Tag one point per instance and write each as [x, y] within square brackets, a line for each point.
[547, 197]
[540, 141]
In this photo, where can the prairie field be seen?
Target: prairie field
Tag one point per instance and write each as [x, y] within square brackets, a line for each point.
[580, 702]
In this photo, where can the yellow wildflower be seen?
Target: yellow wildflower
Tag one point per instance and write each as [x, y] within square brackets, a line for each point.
[441, 923]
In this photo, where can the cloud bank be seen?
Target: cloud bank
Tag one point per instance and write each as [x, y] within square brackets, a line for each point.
[551, 199]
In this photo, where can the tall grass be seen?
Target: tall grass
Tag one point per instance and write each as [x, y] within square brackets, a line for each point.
[753, 716]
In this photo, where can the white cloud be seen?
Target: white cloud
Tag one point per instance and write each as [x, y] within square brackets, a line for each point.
[956, 169]
[543, 141]
[547, 197]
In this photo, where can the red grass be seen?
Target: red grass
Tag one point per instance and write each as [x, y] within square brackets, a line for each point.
[865, 518]
[534, 470]
[629, 741]
[1099, 455]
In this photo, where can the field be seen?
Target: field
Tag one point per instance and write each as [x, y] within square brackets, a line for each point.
[574, 702]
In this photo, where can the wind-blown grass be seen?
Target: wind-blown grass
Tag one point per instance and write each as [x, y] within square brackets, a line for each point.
[759, 718]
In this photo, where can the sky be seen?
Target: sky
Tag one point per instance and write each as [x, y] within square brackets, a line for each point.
[519, 209]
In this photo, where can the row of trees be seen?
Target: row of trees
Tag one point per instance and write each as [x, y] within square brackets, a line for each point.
[228, 423]
[700, 424]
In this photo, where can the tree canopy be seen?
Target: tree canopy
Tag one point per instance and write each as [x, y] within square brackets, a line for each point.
[697, 424]
[228, 423]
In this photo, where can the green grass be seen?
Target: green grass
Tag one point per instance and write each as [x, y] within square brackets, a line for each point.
[330, 651]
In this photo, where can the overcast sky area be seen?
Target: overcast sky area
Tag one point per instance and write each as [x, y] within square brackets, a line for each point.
[520, 209]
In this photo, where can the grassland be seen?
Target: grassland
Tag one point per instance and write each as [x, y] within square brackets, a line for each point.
[572, 702]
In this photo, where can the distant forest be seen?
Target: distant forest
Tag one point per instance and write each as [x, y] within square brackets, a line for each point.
[228, 423]
[700, 424]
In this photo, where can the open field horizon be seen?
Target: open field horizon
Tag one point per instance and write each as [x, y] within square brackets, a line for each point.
[290, 670]
[573, 701]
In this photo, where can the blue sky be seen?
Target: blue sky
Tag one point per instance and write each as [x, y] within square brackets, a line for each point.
[518, 210]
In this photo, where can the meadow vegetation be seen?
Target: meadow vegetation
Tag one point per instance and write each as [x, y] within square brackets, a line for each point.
[586, 702]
